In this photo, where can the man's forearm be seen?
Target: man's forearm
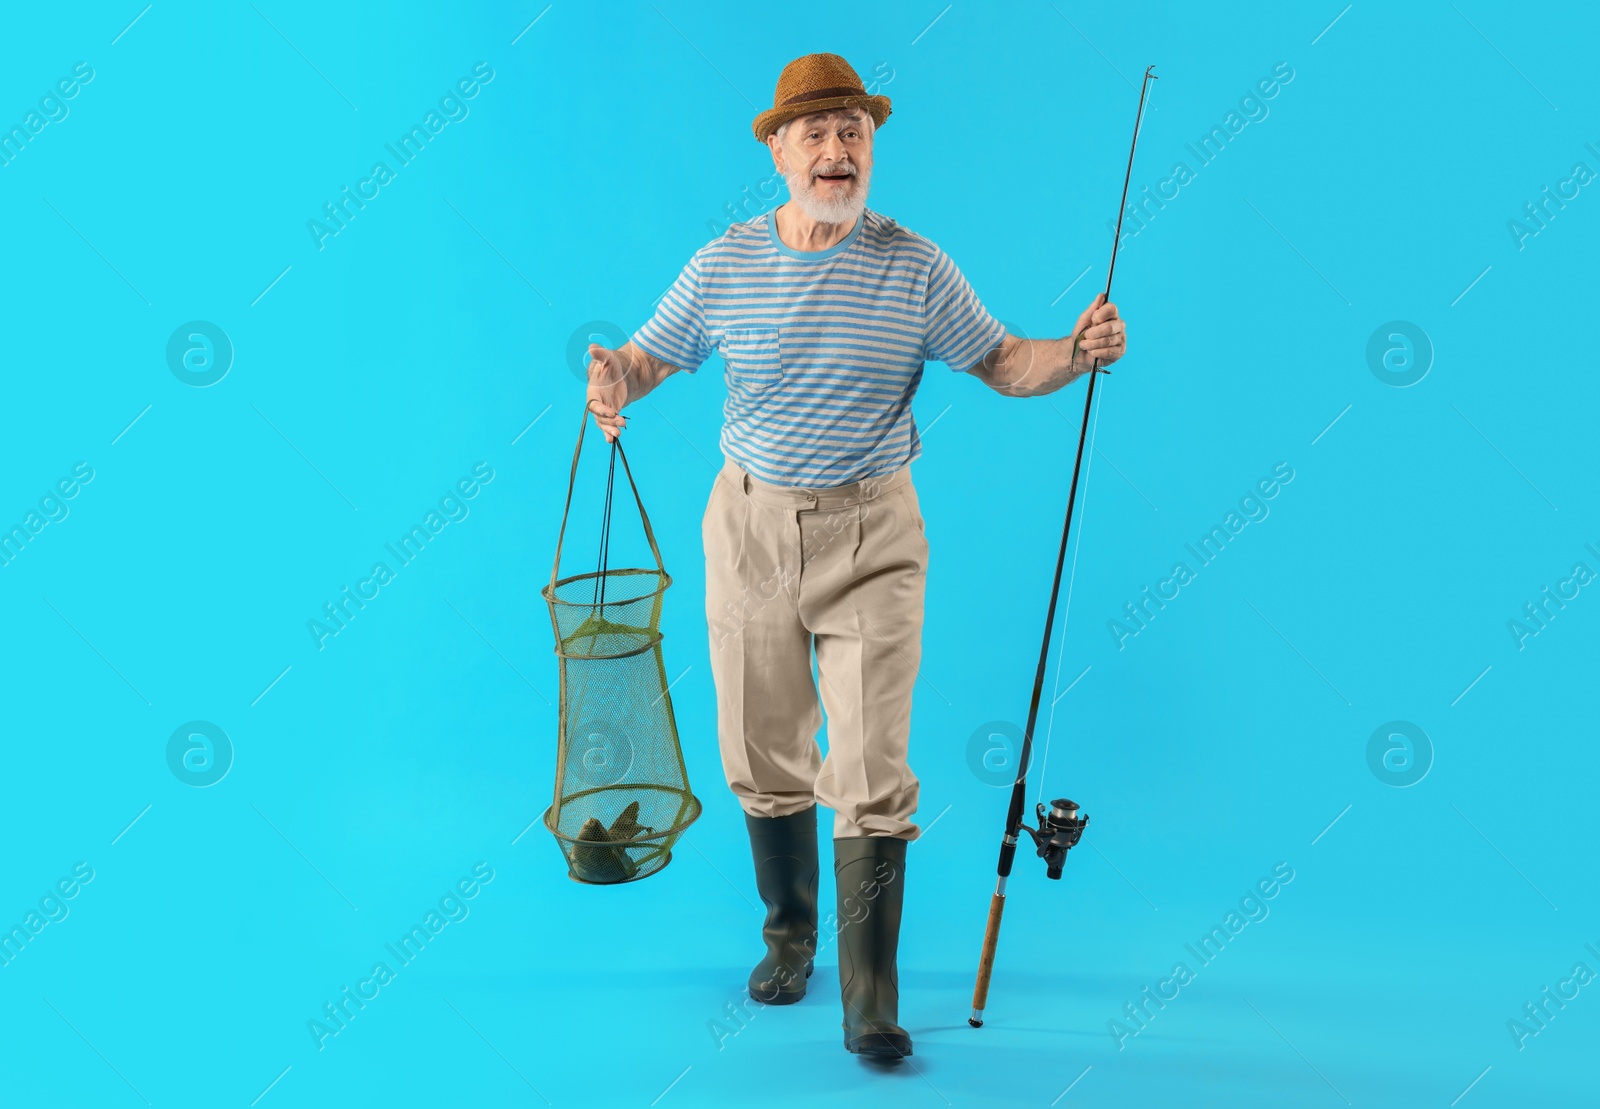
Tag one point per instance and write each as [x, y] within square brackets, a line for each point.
[1033, 367]
[645, 371]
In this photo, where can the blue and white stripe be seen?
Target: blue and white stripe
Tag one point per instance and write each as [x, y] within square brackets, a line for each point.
[823, 349]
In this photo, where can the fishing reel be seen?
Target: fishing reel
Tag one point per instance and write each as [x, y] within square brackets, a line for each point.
[1058, 832]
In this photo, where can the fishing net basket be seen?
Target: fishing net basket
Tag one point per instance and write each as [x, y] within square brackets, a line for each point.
[622, 794]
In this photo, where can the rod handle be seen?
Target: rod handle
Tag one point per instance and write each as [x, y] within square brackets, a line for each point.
[991, 939]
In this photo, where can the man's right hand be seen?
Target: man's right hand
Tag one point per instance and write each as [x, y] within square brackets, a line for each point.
[608, 388]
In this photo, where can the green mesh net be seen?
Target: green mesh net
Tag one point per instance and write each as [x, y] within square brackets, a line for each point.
[622, 794]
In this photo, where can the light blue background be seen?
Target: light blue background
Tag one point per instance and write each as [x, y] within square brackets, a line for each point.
[430, 335]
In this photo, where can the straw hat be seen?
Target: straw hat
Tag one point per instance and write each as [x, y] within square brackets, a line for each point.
[816, 83]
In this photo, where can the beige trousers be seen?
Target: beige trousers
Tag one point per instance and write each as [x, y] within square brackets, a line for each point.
[838, 571]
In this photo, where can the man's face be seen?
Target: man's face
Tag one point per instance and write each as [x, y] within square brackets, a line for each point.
[826, 158]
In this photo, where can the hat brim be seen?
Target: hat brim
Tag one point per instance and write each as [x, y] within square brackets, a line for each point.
[773, 118]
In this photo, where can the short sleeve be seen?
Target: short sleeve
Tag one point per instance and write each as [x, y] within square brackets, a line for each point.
[677, 331]
[957, 329]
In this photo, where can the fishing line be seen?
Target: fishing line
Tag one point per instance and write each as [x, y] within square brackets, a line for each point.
[1066, 612]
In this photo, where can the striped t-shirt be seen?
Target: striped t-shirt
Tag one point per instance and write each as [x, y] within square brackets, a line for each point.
[824, 349]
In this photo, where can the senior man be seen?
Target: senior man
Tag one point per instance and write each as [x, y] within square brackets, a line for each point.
[824, 312]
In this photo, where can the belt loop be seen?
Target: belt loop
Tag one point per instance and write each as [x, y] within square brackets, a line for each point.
[744, 482]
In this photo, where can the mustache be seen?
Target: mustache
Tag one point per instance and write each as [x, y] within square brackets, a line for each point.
[847, 168]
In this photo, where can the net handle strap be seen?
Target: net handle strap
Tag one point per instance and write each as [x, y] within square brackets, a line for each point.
[572, 479]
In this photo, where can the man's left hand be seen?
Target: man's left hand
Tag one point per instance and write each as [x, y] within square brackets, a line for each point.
[1101, 334]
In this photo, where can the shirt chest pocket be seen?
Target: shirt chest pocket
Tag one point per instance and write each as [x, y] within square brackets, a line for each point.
[755, 358]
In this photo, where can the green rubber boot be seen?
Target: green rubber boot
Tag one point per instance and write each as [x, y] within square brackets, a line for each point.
[870, 874]
[785, 852]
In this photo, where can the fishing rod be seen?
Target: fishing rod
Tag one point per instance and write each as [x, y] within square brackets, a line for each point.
[1059, 828]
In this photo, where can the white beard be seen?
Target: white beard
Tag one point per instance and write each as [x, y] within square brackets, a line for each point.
[803, 191]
